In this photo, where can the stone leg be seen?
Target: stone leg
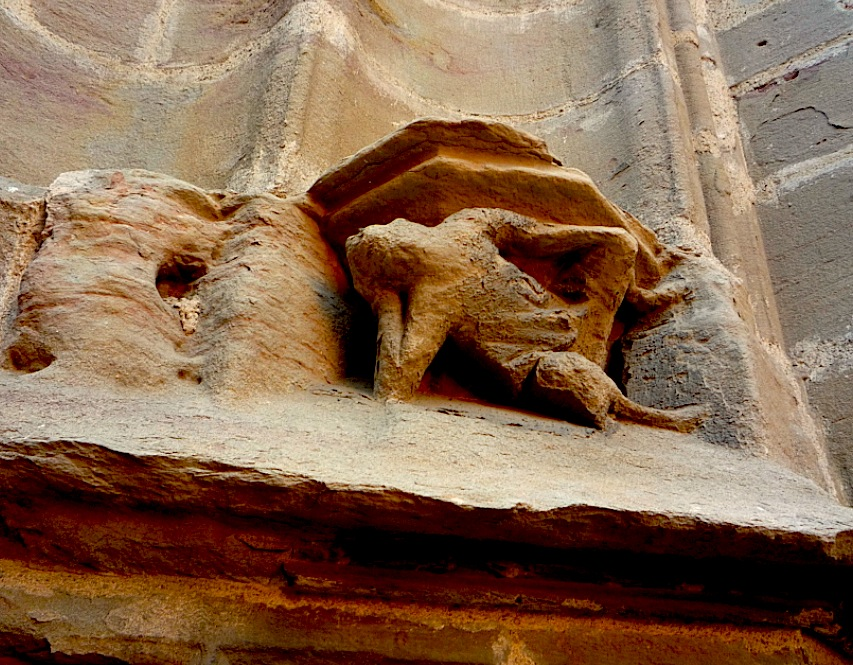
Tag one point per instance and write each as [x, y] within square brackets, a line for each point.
[608, 272]
[574, 385]
[578, 386]
[405, 351]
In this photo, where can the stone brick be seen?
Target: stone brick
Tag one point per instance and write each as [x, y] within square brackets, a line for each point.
[834, 398]
[783, 31]
[809, 115]
[808, 236]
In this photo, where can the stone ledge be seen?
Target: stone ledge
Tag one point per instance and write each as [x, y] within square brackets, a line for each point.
[433, 467]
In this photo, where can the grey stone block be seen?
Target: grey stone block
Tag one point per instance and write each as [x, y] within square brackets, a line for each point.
[810, 114]
[833, 397]
[782, 31]
[808, 235]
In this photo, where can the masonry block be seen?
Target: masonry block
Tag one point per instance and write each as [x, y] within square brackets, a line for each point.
[808, 115]
[808, 236]
[783, 31]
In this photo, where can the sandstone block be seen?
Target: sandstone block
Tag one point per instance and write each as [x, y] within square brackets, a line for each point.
[22, 213]
[782, 31]
[808, 236]
[832, 394]
[147, 281]
[809, 115]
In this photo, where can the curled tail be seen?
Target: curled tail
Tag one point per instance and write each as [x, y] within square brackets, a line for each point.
[684, 419]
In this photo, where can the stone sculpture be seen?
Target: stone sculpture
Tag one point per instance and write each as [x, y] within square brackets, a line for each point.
[145, 282]
[427, 285]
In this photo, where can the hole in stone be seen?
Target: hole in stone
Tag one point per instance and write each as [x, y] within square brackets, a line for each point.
[189, 375]
[763, 42]
[176, 283]
[176, 277]
[27, 355]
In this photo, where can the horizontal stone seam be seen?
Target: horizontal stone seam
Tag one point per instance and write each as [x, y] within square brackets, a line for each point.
[524, 118]
[801, 173]
[810, 58]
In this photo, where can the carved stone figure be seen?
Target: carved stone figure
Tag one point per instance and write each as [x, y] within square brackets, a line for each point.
[426, 285]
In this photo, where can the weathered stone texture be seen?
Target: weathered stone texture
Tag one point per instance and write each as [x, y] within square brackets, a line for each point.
[118, 31]
[780, 32]
[22, 212]
[247, 77]
[158, 620]
[147, 281]
[789, 64]
[809, 236]
[643, 169]
[432, 168]
[144, 281]
[804, 115]
[275, 533]
[491, 63]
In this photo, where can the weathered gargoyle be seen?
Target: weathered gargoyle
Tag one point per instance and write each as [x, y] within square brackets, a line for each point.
[472, 231]
[427, 285]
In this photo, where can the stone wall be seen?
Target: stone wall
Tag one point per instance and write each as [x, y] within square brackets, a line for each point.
[265, 97]
[789, 66]
[260, 504]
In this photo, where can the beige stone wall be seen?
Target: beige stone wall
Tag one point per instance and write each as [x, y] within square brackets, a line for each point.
[264, 507]
[788, 68]
[266, 96]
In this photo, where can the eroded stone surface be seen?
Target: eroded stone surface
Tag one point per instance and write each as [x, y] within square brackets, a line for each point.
[804, 115]
[22, 213]
[305, 456]
[779, 32]
[144, 281]
[550, 344]
[159, 619]
[419, 174]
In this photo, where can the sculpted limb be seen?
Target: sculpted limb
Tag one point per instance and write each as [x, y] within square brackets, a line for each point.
[427, 284]
[607, 273]
[580, 388]
[389, 313]
[424, 330]
[397, 270]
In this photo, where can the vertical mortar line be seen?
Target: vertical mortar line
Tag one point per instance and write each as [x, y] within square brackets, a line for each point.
[735, 234]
